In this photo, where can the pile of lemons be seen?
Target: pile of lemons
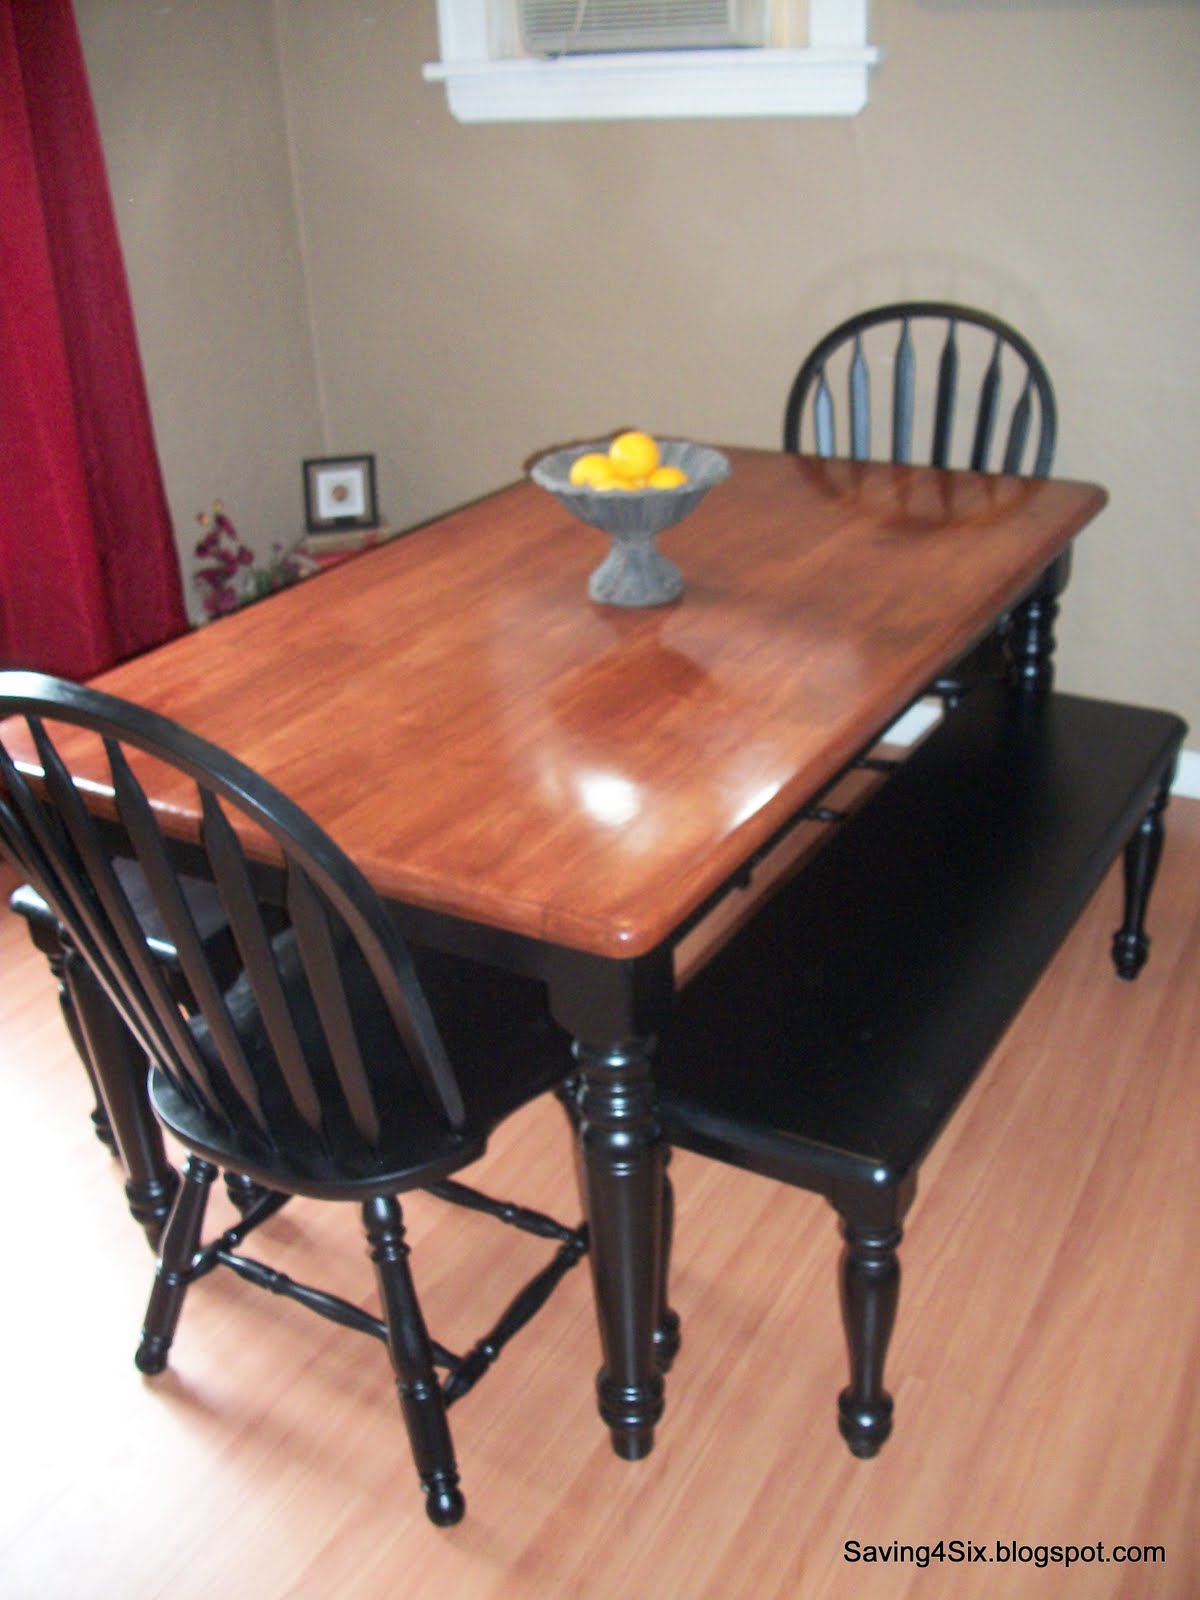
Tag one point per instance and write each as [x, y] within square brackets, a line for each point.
[631, 462]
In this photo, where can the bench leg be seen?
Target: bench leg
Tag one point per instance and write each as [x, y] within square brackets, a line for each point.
[870, 1291]
[1131, 944]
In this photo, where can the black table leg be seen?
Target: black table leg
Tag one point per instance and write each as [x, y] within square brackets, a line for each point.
[623, 1163]
[120, 1070]
[668, 1332]
[1030, 641]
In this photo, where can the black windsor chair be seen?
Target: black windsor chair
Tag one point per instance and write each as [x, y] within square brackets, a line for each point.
[339, 1063]
[967, 390]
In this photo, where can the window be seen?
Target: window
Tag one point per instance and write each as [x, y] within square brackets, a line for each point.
[498, 64]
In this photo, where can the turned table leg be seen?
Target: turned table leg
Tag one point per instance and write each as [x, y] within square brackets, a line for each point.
[668, 1335]
[100, 1123]
[120, 1069]
[667, 1330]
[623, 1167]
[1030, 639]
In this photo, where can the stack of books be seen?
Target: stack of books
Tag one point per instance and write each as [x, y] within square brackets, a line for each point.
[330, 548]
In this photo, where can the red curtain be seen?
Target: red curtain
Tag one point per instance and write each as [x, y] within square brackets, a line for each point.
[88, 568]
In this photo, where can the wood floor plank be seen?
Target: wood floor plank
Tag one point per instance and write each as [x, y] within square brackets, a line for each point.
[1045, 1363]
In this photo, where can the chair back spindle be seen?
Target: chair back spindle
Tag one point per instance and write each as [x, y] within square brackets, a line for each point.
[902, 396]
[943, 357]
[860, 406]
[947, 393]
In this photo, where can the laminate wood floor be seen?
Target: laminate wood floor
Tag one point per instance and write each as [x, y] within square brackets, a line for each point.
[1045, 1363]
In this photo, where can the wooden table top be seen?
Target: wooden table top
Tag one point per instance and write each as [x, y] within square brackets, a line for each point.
[485, 741]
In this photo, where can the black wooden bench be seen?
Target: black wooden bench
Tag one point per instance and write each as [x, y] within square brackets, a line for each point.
[829, 1042]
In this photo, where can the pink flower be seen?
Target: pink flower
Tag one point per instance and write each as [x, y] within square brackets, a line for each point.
[230, 577]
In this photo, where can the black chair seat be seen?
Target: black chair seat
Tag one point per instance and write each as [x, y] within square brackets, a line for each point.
[497, 1031]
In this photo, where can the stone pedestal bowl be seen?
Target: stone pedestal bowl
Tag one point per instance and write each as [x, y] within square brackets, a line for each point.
[635, 572]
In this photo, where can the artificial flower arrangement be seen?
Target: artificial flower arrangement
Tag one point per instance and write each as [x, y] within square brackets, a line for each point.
[229, 576]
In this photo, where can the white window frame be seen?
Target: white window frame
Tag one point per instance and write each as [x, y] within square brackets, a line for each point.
[827, 78]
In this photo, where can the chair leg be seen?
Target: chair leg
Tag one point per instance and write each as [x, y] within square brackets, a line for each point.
[870, 1291]
[181, 1239]
[421, 1398]
[243, 1192]
[120, 1072]
[1131, 943]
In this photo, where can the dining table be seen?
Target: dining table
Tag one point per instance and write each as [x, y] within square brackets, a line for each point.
[564, 788]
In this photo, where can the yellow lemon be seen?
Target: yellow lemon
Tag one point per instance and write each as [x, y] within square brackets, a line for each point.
[633, 455]
[666, 478]
[588, 468]
[603, 477]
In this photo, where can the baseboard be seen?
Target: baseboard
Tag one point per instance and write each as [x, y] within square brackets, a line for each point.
[1187, 779]
[922, 716]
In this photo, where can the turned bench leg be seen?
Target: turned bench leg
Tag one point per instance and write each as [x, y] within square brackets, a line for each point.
[870, 1292]
[1131, 943]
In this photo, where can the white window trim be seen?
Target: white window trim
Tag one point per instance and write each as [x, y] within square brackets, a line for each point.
[828, 78]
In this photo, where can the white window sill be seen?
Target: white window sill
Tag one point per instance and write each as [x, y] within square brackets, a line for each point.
[691, 83]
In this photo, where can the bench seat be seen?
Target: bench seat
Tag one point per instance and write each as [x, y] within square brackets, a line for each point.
[829, 1042]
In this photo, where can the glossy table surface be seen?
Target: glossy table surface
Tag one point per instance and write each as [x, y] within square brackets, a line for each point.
[487, 742]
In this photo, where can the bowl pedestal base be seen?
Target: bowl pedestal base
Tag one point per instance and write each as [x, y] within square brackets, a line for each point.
[635, 573]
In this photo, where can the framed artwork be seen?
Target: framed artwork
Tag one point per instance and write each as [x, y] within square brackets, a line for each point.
[339, 492]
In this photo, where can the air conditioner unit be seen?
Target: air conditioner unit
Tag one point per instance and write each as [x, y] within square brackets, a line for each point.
[583, 27]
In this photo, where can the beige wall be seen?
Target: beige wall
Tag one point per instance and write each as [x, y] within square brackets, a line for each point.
[190, 102]
[475, 293]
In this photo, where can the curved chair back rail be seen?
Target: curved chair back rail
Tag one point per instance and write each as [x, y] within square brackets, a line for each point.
[330, 906]
[938, 354]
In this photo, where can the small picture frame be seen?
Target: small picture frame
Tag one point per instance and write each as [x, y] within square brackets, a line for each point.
[339, 492]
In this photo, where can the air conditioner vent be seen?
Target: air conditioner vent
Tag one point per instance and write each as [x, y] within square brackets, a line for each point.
[581, 27]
